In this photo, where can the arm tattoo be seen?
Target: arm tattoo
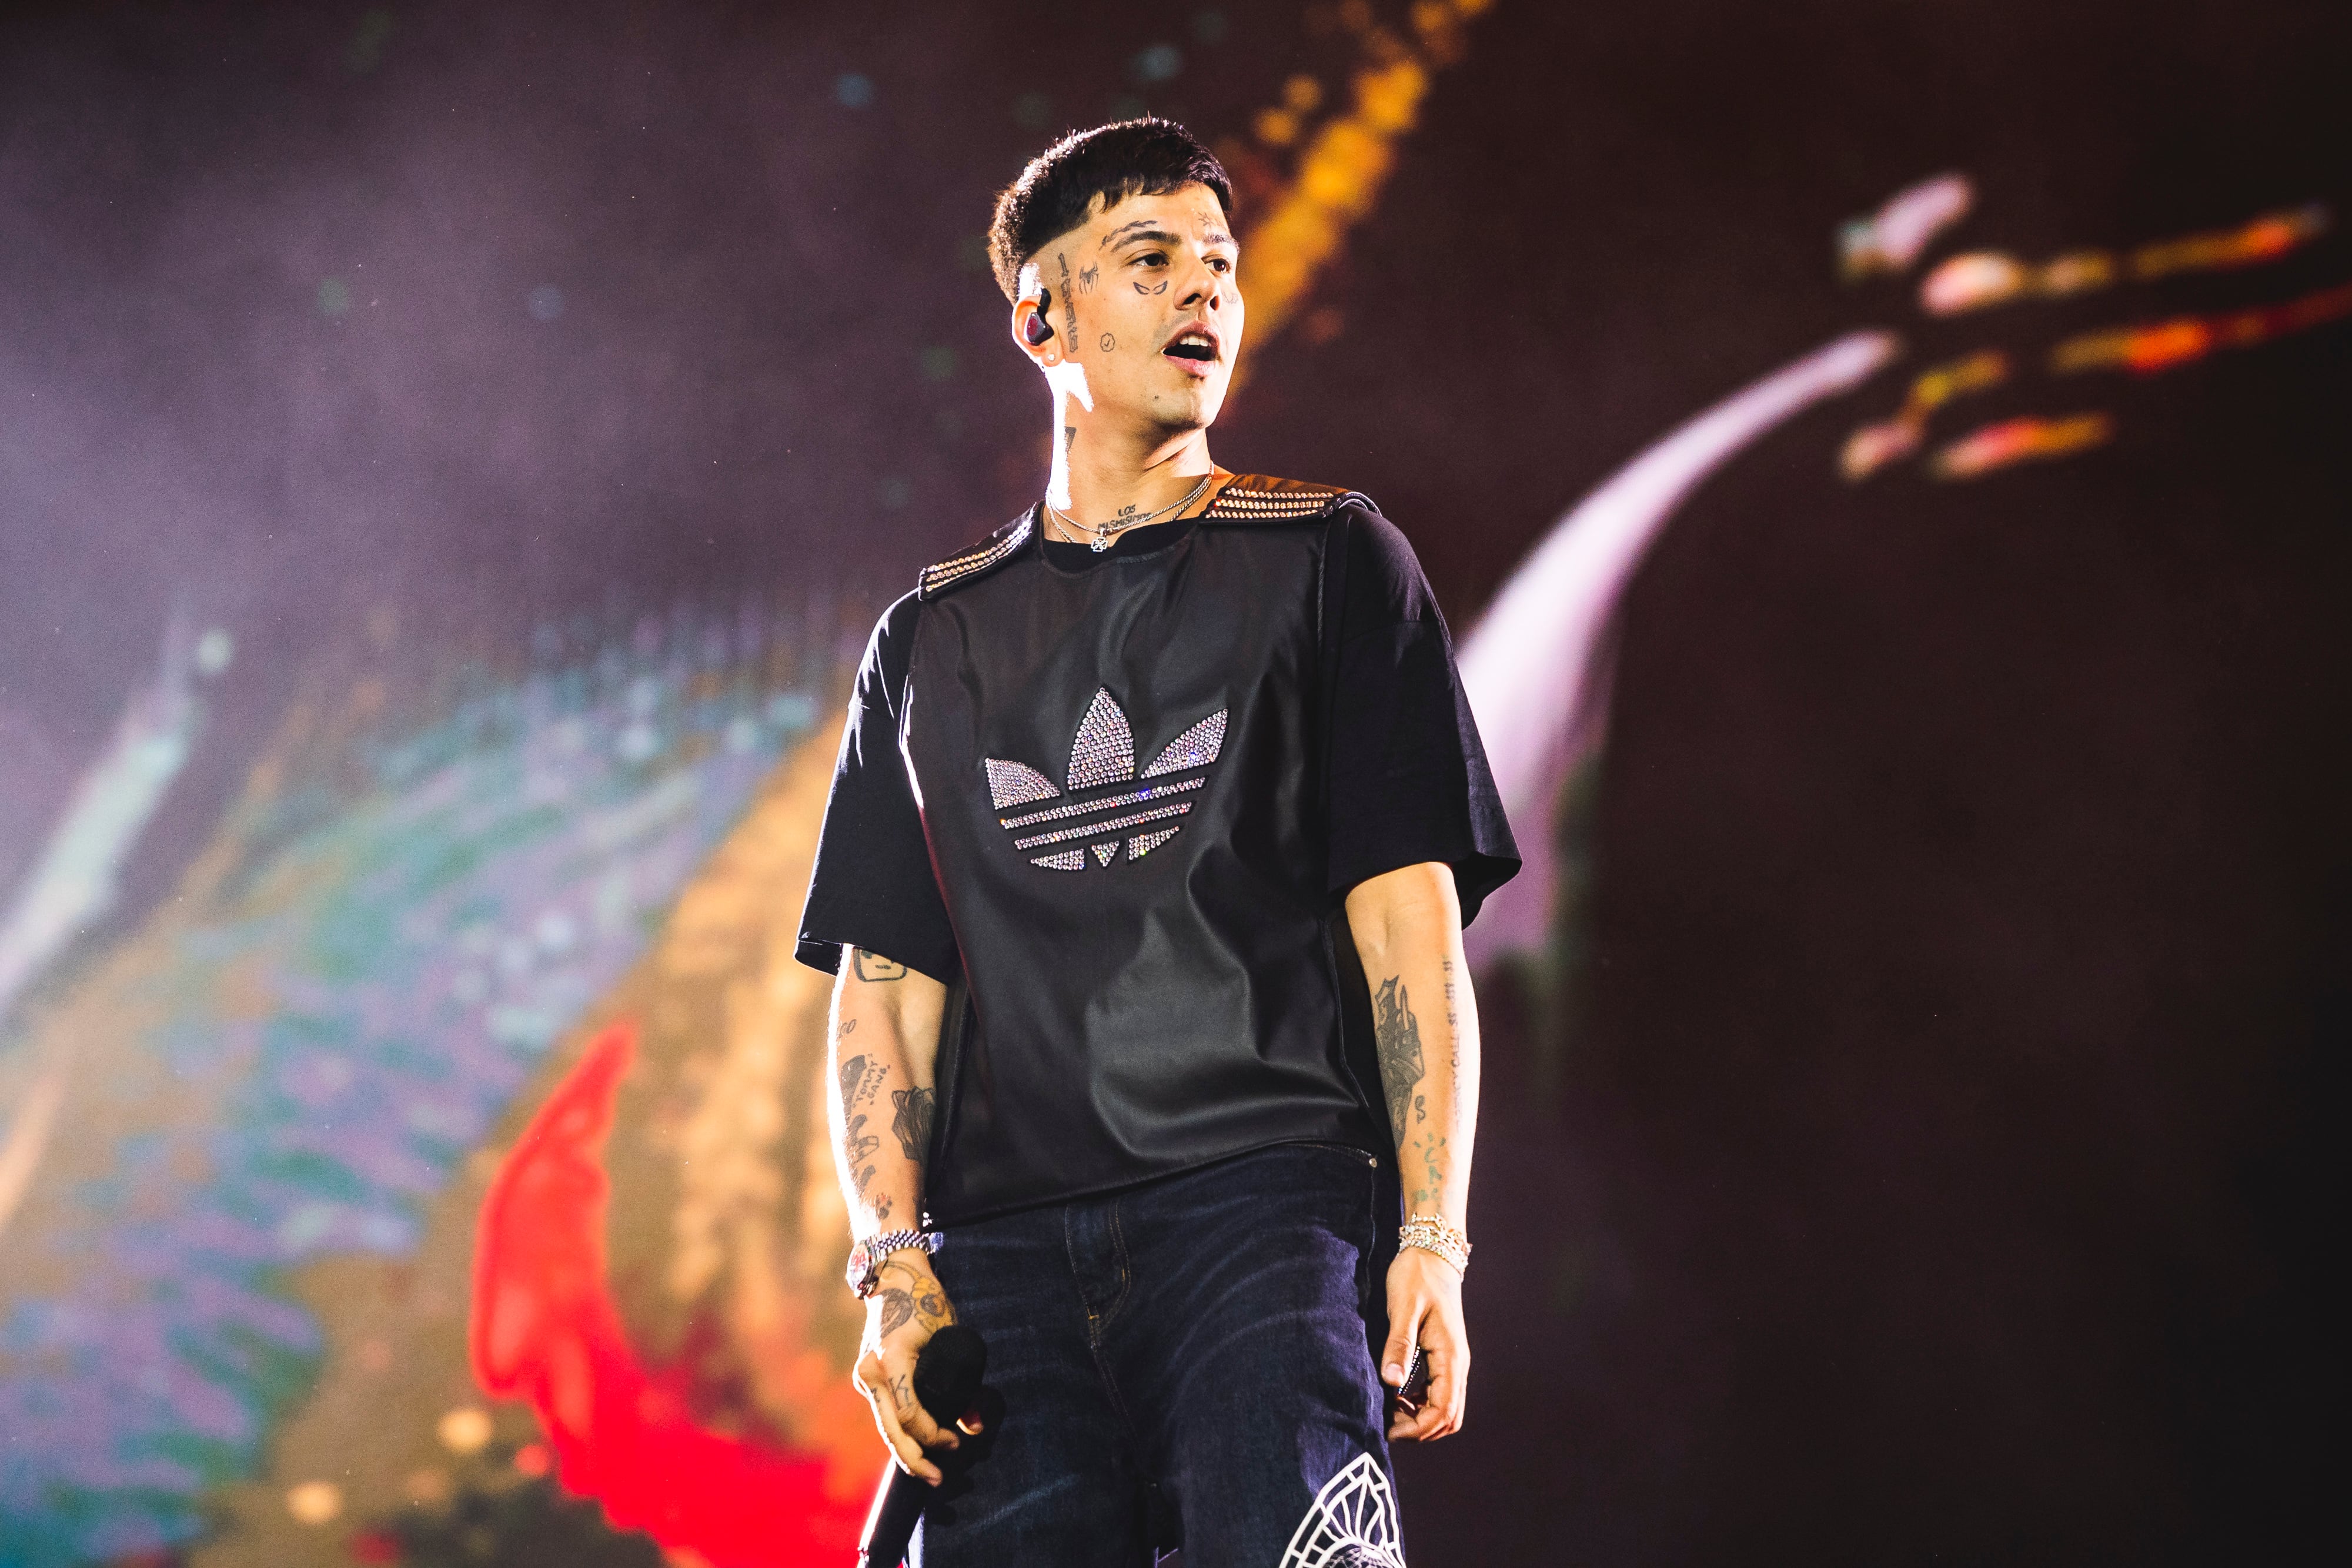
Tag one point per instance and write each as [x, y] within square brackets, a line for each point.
[1396, 1036]
[861, 1076]
[874, 968]
[913, 1122]
[1433, 1151]
[860, 1144]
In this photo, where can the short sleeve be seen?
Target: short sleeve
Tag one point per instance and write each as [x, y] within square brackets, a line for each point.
[872, 886]
[1409, 781]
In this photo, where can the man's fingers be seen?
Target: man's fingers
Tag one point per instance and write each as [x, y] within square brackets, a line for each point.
[874, 1382]
[1404, 1332]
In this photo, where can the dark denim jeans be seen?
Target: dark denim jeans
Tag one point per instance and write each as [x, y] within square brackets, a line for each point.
[1195, 1348]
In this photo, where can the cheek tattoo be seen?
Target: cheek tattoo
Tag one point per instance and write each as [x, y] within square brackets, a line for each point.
[1109, 342]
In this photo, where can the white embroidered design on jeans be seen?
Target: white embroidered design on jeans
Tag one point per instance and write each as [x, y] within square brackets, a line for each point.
[1352, 1522]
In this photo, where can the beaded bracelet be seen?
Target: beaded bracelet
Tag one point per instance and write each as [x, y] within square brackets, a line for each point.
[1432, 1234]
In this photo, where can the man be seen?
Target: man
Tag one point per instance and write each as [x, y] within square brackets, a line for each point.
[1155, 825]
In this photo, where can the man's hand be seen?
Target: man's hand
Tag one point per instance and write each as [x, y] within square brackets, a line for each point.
[906, 1308]
[1426, 1309]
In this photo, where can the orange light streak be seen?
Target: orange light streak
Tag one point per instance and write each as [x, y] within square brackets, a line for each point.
[2162, 345]
[2014, 441]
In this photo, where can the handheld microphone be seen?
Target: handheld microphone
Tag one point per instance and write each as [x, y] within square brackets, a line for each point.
[947, 1372]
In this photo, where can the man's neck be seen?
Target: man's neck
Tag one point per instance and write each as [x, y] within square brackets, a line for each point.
[1104, 476]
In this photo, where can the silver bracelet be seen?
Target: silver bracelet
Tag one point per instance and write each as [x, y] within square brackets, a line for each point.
[1432, 1234]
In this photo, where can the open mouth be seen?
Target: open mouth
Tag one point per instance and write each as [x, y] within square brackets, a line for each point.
[1196, 346]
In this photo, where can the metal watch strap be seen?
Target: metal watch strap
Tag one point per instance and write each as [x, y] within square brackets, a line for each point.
[872, 1252]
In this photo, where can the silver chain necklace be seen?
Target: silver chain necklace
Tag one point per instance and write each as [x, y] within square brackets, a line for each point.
[1104, 533]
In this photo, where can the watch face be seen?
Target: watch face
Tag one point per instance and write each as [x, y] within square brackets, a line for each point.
[860, 1267]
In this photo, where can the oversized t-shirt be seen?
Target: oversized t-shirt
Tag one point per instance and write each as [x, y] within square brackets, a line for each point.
[1384, 770]
[1408, 780]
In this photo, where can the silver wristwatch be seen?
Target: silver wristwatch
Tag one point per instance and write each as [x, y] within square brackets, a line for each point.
[866, 1258]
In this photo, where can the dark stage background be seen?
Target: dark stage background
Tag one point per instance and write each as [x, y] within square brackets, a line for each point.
[452, 451]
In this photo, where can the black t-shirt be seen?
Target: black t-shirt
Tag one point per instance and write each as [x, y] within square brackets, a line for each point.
[1408, 781]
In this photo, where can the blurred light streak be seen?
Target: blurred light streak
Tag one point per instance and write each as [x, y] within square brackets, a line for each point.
[2160, 346]
[73, 884]
[1986, 277]
[1346, 163]
[1873, 446]
[1535, 666]
[544, 1329]
[2014, 441]
[28, 1135]
[1891, 238]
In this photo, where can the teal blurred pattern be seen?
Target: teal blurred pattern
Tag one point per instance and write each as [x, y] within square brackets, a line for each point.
[294, 1053]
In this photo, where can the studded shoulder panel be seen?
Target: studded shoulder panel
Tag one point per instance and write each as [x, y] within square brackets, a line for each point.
[989, 553]
[1261, 498]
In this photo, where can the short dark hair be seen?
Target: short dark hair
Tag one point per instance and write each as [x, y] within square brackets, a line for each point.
[1147, 157]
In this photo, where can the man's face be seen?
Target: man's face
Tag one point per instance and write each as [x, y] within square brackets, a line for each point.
[1147, 305]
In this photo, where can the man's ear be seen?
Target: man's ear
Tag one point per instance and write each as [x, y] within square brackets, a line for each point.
[1032, 326]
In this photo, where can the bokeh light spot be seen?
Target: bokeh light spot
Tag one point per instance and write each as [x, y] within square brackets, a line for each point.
[939, 362]
[465, 1429]
[366, 51]
[334, 296]
[215, 649]
[854, 90]
[533, 1460]
[1158, 63]
[545, 302]
[1033, 110]
[314, 1502]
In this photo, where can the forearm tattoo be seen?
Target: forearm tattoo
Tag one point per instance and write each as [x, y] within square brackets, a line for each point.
[1396, 1035]
[913, 1122]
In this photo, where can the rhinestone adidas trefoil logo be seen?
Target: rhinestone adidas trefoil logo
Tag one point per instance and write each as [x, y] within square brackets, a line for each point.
[1102, 757]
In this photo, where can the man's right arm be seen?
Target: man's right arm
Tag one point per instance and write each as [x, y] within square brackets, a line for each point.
[884, 1043]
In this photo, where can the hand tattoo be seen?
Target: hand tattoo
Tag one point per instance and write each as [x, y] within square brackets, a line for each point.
[913, 1122]
[1396, 1035]
[897, 1307]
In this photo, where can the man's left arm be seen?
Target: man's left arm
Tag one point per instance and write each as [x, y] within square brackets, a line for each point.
[1408, 930]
